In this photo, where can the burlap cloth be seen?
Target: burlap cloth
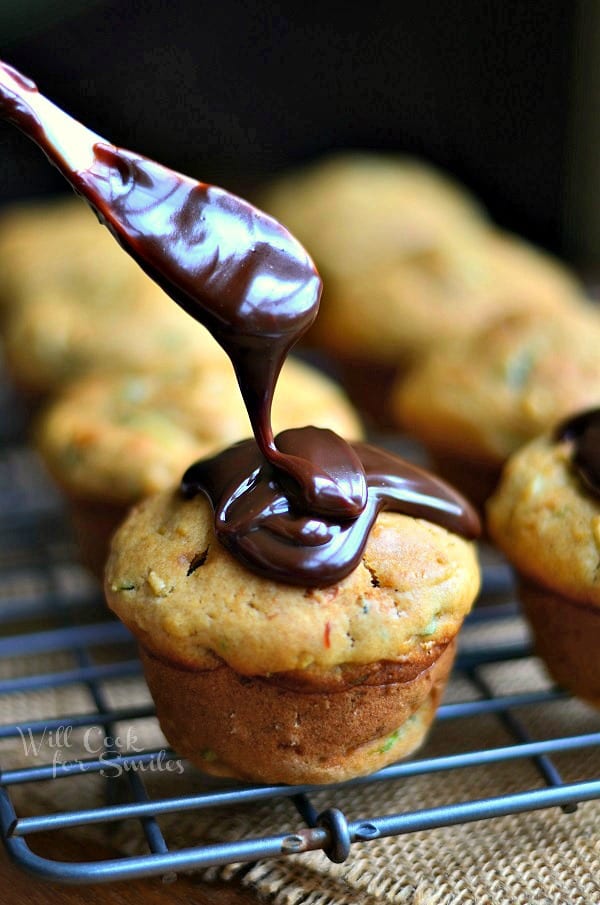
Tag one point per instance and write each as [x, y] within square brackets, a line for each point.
[540, 857]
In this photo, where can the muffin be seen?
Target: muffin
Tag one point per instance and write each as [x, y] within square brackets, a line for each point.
[410, 263]
[60, 336]
[58, 244]
[361, 214]
[546, 519]
[355, 211]
[277, 683]
[74, 303]
[410, 306]
[111, 439]
[407, 307]
[479, 399]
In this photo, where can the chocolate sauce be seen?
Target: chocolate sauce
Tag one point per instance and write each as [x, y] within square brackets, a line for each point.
[299, 508]
[583, 431]
[256, 520]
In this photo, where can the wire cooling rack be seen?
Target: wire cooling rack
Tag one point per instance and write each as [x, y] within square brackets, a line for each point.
[50, 613]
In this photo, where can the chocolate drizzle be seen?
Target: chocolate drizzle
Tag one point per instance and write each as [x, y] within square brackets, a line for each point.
[300, 508]
[258, 521]
[583, 431]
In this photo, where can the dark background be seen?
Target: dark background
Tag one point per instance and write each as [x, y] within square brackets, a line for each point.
[232, 92]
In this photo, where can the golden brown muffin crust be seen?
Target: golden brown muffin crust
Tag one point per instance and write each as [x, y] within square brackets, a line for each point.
[233, 725]
[411, 592]
[567, 638]
[483, 397]
[353, 210]
[547, 525]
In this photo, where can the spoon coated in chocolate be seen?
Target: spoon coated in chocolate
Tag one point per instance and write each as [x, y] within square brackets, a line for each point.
[299, 509]
[232, 267]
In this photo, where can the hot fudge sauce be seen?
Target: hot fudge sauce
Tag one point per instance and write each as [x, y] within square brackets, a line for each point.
[299, 507]
[583, 431]
[258, 518]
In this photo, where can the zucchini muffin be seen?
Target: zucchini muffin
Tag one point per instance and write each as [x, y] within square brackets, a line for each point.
[61, 336]
[547, 522]
[271, 682]
[109, 440]
[397, 312]
[357, 210]
[479, 399]
[58, 244]
[74, 303]
[409, 262]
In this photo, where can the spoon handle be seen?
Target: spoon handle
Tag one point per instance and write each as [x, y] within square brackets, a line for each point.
[67, 143]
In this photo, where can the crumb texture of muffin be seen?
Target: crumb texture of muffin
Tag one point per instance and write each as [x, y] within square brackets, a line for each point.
[383, 637]
[544, 521]
[548, 526]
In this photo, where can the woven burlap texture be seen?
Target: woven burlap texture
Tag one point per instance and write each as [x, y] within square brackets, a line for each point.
[543, 857]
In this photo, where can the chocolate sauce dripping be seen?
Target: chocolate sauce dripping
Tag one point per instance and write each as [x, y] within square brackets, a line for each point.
[298, 509]
[257, 522]
[230, 266]
[583, 431]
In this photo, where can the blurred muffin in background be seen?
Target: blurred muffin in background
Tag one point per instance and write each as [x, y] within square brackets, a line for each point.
[57, 246]
[409, 262]
[356, 210]
[405, 308]
[111, 439]
[75, 303]
[477, 400]
[61, 336]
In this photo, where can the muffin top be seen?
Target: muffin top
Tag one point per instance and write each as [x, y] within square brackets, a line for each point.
[353, 210]
[60, 336]
[75, 303]
[187, 599]
[57, 245]
[407, 306]
[545, 521]
[122, 436]
[408, 257]
[485, 395]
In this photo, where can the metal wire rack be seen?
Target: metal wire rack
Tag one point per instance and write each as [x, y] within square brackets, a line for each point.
[49, 608]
